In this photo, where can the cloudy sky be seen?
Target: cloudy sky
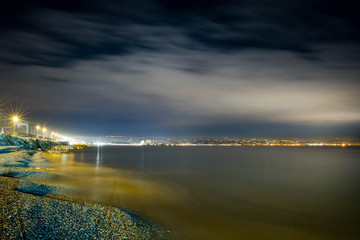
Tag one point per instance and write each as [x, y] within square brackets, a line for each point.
[184, 68]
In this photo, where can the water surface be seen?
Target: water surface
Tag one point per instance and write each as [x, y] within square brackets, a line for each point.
[227, 192]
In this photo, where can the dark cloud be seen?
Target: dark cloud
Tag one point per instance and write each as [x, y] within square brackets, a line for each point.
[184, 64]
[57, 80]
[293, 26]
[87, 29]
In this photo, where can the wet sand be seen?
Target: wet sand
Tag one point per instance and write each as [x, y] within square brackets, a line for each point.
[32, 208]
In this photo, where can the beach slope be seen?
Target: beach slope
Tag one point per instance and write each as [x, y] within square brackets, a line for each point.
[32, 209]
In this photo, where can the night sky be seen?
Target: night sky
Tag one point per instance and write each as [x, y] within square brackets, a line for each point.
[184, 68]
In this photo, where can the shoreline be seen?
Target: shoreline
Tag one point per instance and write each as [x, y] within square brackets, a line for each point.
[32, 208]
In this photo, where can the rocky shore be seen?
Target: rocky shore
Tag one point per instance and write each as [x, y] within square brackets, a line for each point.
[46, 145]
[30, 143]
[31, 208]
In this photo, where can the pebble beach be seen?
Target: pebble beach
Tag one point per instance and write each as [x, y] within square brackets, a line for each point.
[32, 208]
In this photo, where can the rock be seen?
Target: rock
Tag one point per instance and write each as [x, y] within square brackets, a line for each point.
[30, 143]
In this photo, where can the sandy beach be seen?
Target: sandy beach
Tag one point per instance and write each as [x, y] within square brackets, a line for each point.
[31, 208]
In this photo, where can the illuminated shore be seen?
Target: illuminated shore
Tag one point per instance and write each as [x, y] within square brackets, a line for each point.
[31, 208]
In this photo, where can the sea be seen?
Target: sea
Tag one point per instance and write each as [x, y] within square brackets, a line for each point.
[215, 193]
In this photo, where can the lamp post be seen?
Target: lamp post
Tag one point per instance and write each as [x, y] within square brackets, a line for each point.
[15, 119]
[37, 131]
[5, 124]
[44, 131]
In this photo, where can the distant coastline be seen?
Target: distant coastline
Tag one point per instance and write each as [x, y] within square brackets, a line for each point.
[309, 144]
[216, 141]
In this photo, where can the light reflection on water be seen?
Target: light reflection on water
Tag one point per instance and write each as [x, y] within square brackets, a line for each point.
[226, 192]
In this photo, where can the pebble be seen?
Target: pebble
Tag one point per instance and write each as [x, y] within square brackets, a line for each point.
[32, 209]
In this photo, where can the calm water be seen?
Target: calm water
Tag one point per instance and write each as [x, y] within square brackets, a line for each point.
[227, 192]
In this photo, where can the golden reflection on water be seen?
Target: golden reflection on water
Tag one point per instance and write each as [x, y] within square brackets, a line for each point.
[253, 211]
[116, 187]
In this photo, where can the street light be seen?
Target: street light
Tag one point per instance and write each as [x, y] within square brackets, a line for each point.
[15, 119]
[44, 131]
[37, 131]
